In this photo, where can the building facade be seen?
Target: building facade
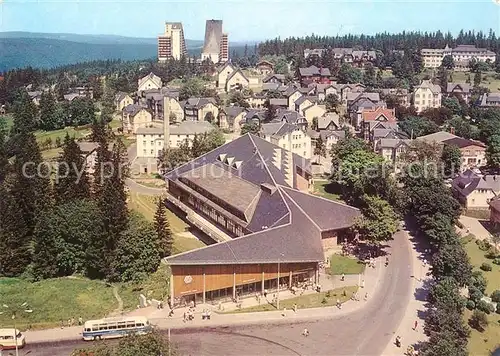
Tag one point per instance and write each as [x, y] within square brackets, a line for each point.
[172, 43]
[216, 44]
[426, 95]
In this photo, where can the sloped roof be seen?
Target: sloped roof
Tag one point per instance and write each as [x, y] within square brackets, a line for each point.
[153, 77]
[428, 84]
[313, 70]
[461, 142]
[133, 109]
[198, 103]
[468, 181]
[280, 77]
[379, 114]
[236, 72]
[437, 137]
[462, 87]
[393, 142]
[278, 102]
[232, 111]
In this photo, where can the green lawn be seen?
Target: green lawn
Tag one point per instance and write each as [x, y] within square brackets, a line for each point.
[77, 133]
[146, 205]
[483, 343]
[51, 154]
[55, 299]
[314, 300]
[326, 190]
[347, 265]
[487, 80]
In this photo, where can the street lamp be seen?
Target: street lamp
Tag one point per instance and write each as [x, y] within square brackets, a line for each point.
[278, 294]
[22, 308]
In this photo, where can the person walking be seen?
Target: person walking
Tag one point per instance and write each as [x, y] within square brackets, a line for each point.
[305, 332]
[342, 278]
[398, 341]
[366, 297]
[363, 283]
[80, 321]
[72, 321]
[415, 325]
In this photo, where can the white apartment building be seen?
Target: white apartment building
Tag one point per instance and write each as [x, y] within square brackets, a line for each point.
[171, 44]
[462, 55]
[150, 140]
[426, 95]
[289, 137]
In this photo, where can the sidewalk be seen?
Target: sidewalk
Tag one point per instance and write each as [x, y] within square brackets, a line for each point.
[415, 310]
[159, 317]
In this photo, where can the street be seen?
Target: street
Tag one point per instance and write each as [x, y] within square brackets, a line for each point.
[366, 331]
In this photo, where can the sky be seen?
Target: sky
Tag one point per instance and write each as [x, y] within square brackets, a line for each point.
[249, 20]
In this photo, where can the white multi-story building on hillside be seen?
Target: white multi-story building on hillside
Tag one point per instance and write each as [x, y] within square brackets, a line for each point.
[462, 55]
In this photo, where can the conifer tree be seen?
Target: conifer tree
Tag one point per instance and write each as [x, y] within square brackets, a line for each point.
[71, 181]
[4, 159]
[30, 189]
[162, 227]
[50, 118]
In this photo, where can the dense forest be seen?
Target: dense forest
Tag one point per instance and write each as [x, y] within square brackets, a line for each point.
[384, 42]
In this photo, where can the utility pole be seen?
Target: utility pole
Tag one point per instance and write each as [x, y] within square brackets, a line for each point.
[23, 307]
[278, 294]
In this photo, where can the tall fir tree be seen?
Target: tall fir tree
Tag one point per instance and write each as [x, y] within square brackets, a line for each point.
[4, 159]
[49, 118]
[25, 114]
[162, 227]
[111, 199]
[72, 181]
[30, 188]
[45, 246]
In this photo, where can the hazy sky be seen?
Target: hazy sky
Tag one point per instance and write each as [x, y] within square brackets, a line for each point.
[247, 20]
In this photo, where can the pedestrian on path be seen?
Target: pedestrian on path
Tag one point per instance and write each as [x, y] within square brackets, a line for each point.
[398, 341]
[305, 332]
[366, 297]
[415, 325]
[69, 323]
[363, 283]
[295, 308]
[339, 305]
[342, 278]
[284, 312]
[80, 321]
[62, 324]
[72, 321]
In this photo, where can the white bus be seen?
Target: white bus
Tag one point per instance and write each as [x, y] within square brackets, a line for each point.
[115, 327]
[9, 338]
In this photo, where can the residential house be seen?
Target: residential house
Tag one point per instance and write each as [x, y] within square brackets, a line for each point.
[462, 90]
[199, 109]
[274, 78]
[426, 95]
[314, 74]
[495, 212]
[236, 81]
[151, 140]
[347, 90]
[490, 100]
[291, 117]
[359, 102]
[361, 58]
[232, 118]
[84, 91]
[304, 102]
[313, 111]
[270, 87]
[89, 153]
[150, 81]
[400, 93]
[279, 102]
[473, 152]
[121, 100]
[72, 96]
[371, 119]
[316, 52]
[35, 96]
[331, 137]
[392, 148]
[474, 190]
[257, 100]
[323, 90]
[265, 67]
[329, 121]
[135, 116]
[287, 136]
[256, 116]
[154, 100]
[293, 96]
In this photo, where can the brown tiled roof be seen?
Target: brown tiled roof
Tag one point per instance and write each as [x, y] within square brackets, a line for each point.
[372, 115]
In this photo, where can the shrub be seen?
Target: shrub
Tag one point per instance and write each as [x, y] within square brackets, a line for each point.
[485, 307]
[498, 309]
[483, 245]
[475, 294]
[470, 305]
[491, 254]
[496, 261]
[478, 281]
[495, 296]
[324, 301]
[486, 267]
[328, 294]
[478, 320]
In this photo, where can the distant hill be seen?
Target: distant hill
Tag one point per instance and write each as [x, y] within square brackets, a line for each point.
[47, 50]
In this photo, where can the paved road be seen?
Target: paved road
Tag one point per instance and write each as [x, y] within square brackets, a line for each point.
[364, 332]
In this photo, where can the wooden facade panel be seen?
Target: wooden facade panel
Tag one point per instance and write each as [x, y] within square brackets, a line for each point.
[218, 277]
[189, 279]
[248, 274]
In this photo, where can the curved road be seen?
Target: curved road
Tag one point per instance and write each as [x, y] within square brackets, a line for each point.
[365, 332]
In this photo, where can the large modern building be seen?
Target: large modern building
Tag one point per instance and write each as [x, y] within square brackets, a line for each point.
[171, 44]
[216, 46]
[252, 198]
[462, 55]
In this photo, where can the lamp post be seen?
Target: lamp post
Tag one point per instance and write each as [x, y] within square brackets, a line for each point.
[23, 307]
[278, 294]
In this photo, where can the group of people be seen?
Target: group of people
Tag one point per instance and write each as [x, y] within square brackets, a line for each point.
[189, 314]
[71, 322]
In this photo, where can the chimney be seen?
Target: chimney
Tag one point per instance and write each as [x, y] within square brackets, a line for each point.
[166, 122]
